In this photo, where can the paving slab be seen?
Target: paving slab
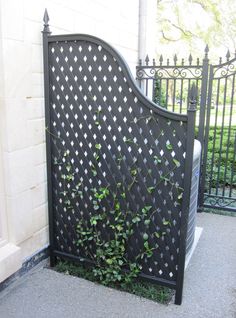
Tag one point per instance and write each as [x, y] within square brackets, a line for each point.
[209, 289]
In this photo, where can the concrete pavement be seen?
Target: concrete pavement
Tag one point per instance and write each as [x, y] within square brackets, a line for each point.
[209, 291]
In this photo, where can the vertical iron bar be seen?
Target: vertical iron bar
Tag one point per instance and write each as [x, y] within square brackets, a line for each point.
[214, 137]
[197, 85]
[46, 32]
[154, 89]
[205, 141]
[232, 168]
[174, 89]
[167, 92]
[202, 123]
[181, 95]
[229, 129]
[221, 140]
[187, 190]
[146, 87]
[203, 99]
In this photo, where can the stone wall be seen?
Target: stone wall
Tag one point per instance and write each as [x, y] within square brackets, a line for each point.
[23, 197]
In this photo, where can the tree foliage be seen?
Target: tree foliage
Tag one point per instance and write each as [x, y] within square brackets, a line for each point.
[188, 25]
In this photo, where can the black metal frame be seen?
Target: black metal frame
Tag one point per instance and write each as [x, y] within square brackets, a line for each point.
[186, 121]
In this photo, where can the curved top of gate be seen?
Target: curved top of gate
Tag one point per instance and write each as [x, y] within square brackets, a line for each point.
[122, 66]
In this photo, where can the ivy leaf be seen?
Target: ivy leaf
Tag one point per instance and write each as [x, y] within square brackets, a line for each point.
[169, 146]
[166, 222]
[180, 196]
[134, 172]
[145, 236]
[157, 160]
[119, 227]
[98, 146]
[109, 261]
[94, 172]
[146, 245]
[147, 222]
[176, 162]
[136, 219]
[146, 209]
[123, 195]
[150, 189]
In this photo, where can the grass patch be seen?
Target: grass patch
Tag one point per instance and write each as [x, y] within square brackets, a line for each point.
[220, 156]
[139, 288]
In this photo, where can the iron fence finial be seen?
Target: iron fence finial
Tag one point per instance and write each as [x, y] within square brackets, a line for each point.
[228, 55]
[175, 59]
[206, 51]
[161, 59]
[46, 28]
[190, 59]
[147, 60]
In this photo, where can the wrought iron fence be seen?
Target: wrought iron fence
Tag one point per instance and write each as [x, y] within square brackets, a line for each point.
[220, 164]
[168, 83]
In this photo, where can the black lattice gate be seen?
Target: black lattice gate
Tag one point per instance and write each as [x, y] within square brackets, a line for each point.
[103, 133]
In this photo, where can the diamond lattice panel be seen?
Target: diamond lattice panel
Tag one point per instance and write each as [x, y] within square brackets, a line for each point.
[92, 103]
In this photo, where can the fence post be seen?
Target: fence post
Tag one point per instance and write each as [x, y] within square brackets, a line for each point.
[46, 32]
[205, 144]
[203, 99]
[202, 120]
[187, 190]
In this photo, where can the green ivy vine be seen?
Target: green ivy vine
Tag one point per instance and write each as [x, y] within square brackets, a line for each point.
[105, 233]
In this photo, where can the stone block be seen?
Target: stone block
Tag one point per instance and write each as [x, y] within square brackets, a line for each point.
[16, 134]
[35, 108]
[10, 260]
[39, 195]
[36, 130]
[40, 217]
[20, 217]
[17, 69]
[18, 171]
[36, 242]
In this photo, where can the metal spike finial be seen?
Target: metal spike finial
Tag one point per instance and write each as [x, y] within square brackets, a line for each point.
[175, 59]
[161, 59]
[147, 59]
[206, 51]
[46, 28]
[220, 60]
[154, 62]
[193, 94]
[190, 59]
[228, 55]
